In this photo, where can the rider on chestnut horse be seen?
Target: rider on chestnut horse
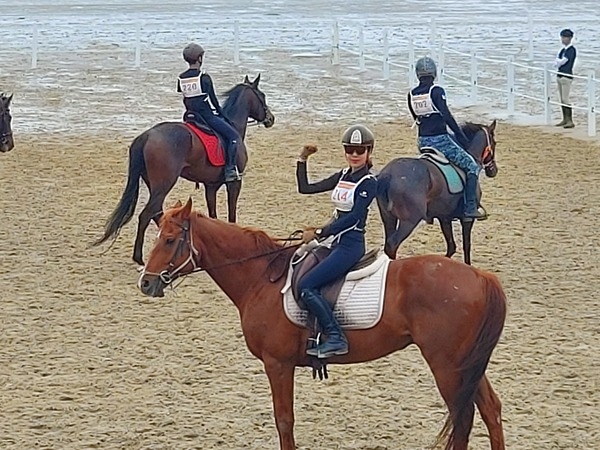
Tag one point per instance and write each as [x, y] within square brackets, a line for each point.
[354, 188]
[200, 99]
[427, 104]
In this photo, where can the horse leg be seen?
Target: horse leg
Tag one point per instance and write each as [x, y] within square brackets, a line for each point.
[446, 226]
[490, 408]
[467, 227]
[459, 423]
[405, 228]
[281, 379]
[233, 194]
[390, 222]
[210, 194]
[152, 210]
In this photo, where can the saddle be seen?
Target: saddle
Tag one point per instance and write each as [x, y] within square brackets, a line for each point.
[303, 263]
[213, 143]
[455, 177]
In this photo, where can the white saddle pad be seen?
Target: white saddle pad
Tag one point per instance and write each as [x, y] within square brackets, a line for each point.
[360, 304]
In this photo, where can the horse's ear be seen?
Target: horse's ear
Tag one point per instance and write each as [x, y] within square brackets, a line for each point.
[492, 127]
[9, 99]
[178, 204]
[256, 81]
[187, 209]
[246, 80]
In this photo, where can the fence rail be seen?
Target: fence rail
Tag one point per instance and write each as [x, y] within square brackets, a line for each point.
[401, 60]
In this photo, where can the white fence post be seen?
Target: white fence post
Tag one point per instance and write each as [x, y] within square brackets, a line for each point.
[530, 35]
[335, 45]
[432, 37]
[510, 88]
[591, 103]
[441, 62]
[547, 95]
[361, 48]
[34, 47]
[411, 63]
[138, 47]
[386, 56]
[236, 42]
[473, 77]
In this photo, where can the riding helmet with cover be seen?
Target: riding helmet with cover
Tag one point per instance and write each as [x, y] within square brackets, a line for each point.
[192, 53]
[359, 135]
[425, 67]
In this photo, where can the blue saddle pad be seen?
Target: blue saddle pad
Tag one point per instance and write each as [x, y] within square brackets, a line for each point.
[454, 179]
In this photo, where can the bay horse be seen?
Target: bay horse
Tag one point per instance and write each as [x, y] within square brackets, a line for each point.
[453, 312]
[169, 150]
[414, 189]
[6, 135]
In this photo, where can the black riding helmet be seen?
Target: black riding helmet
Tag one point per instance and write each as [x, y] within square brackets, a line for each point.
[566, 33]
[359, 136]
[192, 53]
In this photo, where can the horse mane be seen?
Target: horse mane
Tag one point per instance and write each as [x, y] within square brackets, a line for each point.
[471, 129]
[232, 96]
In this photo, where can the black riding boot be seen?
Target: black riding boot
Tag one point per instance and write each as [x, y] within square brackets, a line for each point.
[336, 343]
[471, 210]
[563, 122]
[231, 170]
[569, 117]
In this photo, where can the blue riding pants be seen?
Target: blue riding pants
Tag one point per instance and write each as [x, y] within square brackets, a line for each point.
[451, 150]
[344, 255]
[223, 129]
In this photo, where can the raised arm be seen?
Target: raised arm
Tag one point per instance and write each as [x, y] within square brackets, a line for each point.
[306, 187]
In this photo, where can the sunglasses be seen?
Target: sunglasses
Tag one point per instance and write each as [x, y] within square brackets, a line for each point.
[350, 150]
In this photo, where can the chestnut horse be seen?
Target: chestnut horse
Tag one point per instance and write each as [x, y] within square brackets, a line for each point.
[453, 312]
[6, 136]
[412, 190]
[171, 150]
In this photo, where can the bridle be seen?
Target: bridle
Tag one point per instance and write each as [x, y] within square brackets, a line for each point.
[263, 104]
[5, 134]
[489, 153]
[169, 275]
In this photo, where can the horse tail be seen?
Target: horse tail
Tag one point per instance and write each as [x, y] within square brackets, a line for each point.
[126, 207]
[473, 367]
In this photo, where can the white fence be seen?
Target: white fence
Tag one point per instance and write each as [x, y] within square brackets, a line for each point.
[439, 51]
[394, 64]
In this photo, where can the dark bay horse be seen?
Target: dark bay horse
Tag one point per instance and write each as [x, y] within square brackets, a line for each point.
[453, 312]
[6, 136]
[170, 150]
[413, 189]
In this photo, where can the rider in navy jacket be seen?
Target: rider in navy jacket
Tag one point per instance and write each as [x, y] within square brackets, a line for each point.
[354, 189]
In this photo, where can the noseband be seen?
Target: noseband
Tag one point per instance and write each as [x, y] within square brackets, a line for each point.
[167, 276]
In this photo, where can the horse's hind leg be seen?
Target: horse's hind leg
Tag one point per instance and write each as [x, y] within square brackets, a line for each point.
[152, 210]
[490, 409]
[405, 228]
[233, 194]
[446, 226]
[390, 224]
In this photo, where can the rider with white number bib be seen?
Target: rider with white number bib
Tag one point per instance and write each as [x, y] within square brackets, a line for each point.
[427, 104]
[354, 188]
[200, 99]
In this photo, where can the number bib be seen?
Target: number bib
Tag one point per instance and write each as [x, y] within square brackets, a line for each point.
[423, 105]
[343, 194]
[190, 87]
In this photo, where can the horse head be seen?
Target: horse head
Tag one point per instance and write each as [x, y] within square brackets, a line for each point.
[482, 145]
[174, 254]
[246, 101]
[6, 136]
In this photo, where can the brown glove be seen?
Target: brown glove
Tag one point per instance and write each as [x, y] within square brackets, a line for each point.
[307, 151]
[309, 234]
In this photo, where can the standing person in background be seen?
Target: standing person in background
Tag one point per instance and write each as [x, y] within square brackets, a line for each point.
[564, 63]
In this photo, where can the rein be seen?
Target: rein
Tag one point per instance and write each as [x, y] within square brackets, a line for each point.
[168, 276]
